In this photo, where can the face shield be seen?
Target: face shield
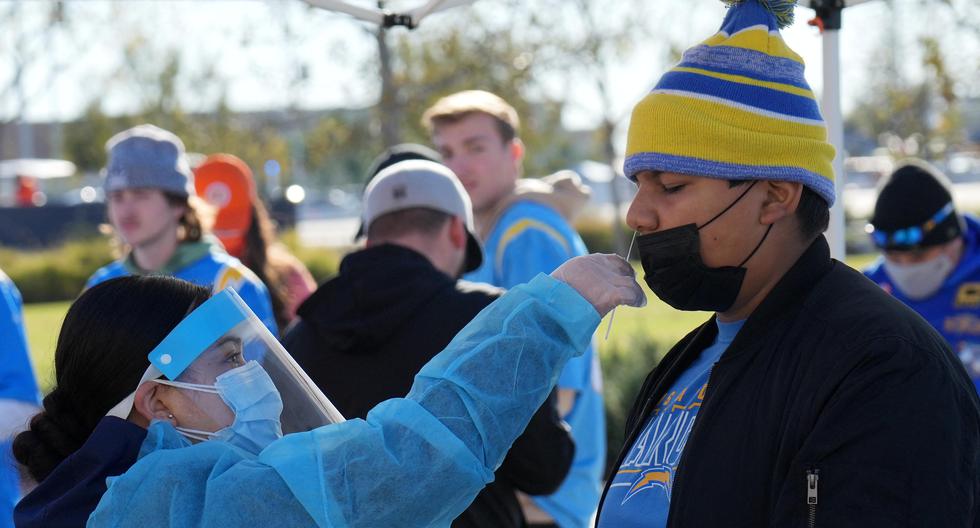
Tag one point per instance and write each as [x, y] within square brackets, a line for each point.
[233, 381]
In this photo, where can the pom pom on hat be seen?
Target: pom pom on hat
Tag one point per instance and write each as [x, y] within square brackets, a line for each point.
[781, 9]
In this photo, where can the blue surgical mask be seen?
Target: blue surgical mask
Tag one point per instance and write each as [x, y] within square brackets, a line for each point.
[252, 396]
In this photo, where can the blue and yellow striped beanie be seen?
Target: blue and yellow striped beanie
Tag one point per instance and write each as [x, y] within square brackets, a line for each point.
[737, 107]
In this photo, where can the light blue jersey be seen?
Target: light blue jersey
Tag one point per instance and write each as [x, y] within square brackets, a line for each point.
[216, 270]
[640, 491]
[414, 461]
[531, 238]
[18, 392]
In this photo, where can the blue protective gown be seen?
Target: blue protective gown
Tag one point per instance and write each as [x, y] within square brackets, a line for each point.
[415, 461]
[531, 238]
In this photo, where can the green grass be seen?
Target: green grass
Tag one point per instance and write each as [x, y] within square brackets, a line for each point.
[43, 322]
[632, 328]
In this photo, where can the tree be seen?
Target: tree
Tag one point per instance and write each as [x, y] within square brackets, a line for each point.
[340, 147]
[596, 36]
[255, 139]
[469, 54]
[33, 36]
[911, 118]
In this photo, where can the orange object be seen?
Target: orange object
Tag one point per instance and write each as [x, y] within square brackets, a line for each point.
[26, 187]
[816, 22]
[226, 182]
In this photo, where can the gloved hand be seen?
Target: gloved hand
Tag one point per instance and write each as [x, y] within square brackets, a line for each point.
[604, 280]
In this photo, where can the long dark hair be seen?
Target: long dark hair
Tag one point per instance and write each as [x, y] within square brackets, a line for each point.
[258, 255]
[99, 359]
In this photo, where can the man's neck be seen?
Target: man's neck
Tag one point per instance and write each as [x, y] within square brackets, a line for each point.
[424, 245]
[486, 218]
[153, 256]
[759, 281]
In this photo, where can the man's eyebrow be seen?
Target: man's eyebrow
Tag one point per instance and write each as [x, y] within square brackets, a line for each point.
[475, 139]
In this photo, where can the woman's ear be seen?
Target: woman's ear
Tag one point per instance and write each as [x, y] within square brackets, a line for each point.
[781, 200]
[150, 402]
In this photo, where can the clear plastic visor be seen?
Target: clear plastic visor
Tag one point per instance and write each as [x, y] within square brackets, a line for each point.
[206, 359]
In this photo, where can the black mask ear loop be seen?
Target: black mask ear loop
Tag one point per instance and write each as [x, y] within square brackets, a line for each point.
[725, 210]
[757, 246]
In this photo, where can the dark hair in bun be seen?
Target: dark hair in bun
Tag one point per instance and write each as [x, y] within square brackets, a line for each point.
[101, 355]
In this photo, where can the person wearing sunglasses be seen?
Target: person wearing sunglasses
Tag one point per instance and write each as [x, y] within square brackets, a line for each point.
[930, 256]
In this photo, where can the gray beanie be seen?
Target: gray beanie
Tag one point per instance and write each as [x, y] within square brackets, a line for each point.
[149, 157]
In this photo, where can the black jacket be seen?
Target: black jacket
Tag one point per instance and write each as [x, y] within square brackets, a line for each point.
[831, 376]
[363, 335]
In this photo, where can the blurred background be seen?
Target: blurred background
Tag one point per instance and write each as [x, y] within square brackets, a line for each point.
[309, 96]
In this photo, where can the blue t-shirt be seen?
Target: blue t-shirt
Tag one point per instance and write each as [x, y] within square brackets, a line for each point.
[17, 386]
[954, 310]
[531, 238]
[640, 491]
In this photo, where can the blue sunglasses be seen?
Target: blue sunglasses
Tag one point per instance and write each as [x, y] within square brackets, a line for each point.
[909, 236]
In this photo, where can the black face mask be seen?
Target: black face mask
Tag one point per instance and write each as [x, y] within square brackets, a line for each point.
[674, 270]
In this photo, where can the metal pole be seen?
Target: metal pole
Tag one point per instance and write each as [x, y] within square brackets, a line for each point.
[830, 101]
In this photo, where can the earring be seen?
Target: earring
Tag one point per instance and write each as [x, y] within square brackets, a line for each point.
[170, 416]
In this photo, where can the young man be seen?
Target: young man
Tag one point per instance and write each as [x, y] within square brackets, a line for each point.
[366, 333]
[524, 234]
[930, 256]
[811, 396]
[156, 214]
[18, 392]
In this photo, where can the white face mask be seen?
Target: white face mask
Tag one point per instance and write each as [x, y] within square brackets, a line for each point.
[918, 281]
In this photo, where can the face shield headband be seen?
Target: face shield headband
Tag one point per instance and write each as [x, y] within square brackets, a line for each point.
[262, 386]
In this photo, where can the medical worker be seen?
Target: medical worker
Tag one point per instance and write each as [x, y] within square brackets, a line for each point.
[213, 451]
[159, 219]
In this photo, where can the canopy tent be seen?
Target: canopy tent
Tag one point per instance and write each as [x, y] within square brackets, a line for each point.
[383, 17]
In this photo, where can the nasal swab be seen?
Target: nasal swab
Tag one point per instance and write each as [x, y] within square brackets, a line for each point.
[613, 312]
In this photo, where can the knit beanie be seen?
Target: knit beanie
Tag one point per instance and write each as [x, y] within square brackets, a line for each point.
[736, 107]
[916, 197]
[150, 157]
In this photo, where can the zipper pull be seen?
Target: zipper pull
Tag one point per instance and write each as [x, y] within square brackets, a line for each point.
[812, 476]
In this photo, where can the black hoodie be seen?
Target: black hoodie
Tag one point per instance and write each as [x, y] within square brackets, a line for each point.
[363, 335]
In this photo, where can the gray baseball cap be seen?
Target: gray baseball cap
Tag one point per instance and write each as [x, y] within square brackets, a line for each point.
[147, 156]
[422, 183]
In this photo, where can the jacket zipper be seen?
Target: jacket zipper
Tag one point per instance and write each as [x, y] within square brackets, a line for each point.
[812, 478]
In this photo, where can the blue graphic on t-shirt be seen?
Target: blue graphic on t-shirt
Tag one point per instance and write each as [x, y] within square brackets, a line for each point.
[640, 492]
